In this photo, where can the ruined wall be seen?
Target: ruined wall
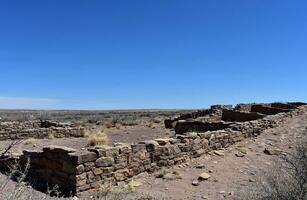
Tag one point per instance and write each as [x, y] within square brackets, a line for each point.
[81, 172]
[20, 125]
[235, 116]
[283, 105]
[197, 126]
[213, 114]
[23, 130]
[266, 110]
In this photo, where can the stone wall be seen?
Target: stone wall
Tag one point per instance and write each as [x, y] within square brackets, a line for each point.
[38, 129]
[266, 110]
[209, 115]
[235, 116]
[81, 172]
[197, 126]
[283, 105]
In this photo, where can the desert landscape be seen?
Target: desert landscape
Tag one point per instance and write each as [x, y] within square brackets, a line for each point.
[225, 152]
[153, 100]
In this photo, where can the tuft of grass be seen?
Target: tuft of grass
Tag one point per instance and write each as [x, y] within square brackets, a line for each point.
[161, 172]
[29, 141]
[118, 125]
[108, 124]
[157, 120]
[97, 136]
[150, 125]
[50, 136]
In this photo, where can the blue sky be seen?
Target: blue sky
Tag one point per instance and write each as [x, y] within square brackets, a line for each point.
[114, 54]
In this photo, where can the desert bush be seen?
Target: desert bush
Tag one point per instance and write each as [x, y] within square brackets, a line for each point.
[50, 136]
[118, 125]
[97, 136]
[150, 125]
[108, 191]
[108, 124]
[30, 141]
[287, 180]
[157, 120]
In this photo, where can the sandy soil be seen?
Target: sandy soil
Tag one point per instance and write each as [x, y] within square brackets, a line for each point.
[230, 175]
[126, 134]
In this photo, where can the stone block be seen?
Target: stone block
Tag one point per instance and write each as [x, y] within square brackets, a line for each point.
[81, 157]
[104, 162]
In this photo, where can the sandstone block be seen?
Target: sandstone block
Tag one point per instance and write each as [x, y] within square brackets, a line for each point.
[81, 157]
[104, 162]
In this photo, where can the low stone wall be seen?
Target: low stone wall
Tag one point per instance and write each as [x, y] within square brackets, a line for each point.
[297, 104]
[19, 125]
[235, 116]
[213, 114]
[81, 172]
[197, 126]
[283, 106]
[37, 129]
[266, 110]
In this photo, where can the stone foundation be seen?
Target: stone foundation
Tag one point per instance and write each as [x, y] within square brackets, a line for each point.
[235, 116]
[209, 115]
[81, 172]
[266, 110]
[38, 129]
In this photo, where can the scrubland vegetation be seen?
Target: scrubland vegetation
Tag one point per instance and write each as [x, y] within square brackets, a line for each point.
[108, 118]
[285, 180]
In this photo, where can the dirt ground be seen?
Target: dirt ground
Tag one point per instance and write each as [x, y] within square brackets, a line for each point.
[231, 176]
[126, 134]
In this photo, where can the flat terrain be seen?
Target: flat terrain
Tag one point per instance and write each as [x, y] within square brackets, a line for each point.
[231, 176]
[125, 134]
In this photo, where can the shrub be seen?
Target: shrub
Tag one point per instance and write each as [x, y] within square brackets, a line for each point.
[118, 125]
[50, 136]
[97, 136]
[29, 141]
[287, 180]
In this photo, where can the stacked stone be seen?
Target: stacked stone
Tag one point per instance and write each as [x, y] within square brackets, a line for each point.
[24, 130]
[82, 172]
[19, 125]
[236, 116]
[197, 126]
[53, 166]
[209, 115]
[266, 110]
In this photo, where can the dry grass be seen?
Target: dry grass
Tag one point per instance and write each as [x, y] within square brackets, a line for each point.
[30, 141]
[108, 125]
[97, 136]
[50, 136]
[163, 171]
[287, 180]
[118, 125]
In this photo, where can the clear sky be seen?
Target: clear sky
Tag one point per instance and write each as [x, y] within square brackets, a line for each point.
[114, 54]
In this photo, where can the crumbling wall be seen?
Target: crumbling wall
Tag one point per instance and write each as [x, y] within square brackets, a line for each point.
[34, 129]
[197, 126]
[20, 125]
[213, 114]
[235, 116]
[266, 110]
[297, 104]
[81, 172]
[283, 105]
[243, 107]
